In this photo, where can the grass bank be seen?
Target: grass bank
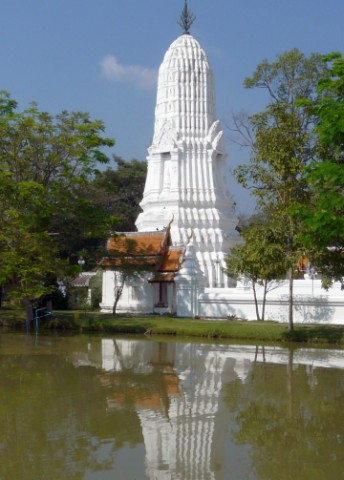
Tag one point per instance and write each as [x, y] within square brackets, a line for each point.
[154, 325]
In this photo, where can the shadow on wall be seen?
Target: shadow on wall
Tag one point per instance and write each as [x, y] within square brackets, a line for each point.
[184, 300]
[307, 309]
[138, 291]
[221, 310]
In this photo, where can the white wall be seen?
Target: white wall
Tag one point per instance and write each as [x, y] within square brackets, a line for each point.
[312, 304]
[136, 295]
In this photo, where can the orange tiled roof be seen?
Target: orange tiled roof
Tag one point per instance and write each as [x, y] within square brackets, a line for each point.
[139, 243]
[171, 260]
[147, 260]
[152, 249]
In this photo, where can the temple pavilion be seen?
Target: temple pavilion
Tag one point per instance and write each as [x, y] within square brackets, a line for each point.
[186, 198]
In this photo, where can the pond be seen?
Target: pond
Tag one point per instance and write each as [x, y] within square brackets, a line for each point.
[123, 408]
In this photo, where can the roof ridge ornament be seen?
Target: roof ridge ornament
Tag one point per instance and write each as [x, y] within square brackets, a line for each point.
[189, 238]
[186, 19]
[167, 230]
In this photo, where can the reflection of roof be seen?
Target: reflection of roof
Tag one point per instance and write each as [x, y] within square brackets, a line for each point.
[83, 279]
[145, 393]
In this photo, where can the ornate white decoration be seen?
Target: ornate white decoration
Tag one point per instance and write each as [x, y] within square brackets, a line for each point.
[165, 139]
[187, 161]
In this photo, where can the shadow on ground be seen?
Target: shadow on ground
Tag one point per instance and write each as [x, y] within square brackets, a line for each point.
[316, 334]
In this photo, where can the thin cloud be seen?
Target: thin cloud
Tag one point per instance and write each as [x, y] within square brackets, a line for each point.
[142, 77]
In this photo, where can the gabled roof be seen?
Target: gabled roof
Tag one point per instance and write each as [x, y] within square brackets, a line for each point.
[152, 249]
[83, 279]
[172, 260]
[148, 261]
[139, 243]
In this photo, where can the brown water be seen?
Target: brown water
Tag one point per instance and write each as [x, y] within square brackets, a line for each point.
[108, 408]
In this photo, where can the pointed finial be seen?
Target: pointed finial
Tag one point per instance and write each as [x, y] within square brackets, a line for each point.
[171, 221]
[186, 19]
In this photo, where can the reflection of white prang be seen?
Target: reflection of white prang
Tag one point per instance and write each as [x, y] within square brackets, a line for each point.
[184, 436]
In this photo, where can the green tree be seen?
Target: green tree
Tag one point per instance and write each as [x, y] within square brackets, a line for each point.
[119, 190]
[46, 163]
[323, 217]
[282, 144]
[260, 259]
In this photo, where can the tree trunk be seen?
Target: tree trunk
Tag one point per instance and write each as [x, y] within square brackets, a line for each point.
[255, 300]
[118, 293]
[29, 310]
[290, 382]
[49, 305]
[264, 299]
[291, 301]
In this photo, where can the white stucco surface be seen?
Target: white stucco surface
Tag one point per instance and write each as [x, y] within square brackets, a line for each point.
[187, 169]
[187, 183]
[312, 303]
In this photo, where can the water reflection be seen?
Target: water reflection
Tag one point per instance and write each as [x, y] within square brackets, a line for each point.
[97, 408]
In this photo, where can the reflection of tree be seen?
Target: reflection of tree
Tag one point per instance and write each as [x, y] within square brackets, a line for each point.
[53, 418]
[294, 429]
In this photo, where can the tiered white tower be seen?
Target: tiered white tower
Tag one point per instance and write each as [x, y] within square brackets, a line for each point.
[186, 178]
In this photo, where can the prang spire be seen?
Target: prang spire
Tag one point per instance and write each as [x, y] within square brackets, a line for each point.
[186, 19]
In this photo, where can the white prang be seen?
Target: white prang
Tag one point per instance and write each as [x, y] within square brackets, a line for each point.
[187, 171]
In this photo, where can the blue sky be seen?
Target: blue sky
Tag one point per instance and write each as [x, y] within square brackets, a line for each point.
[102, 56]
